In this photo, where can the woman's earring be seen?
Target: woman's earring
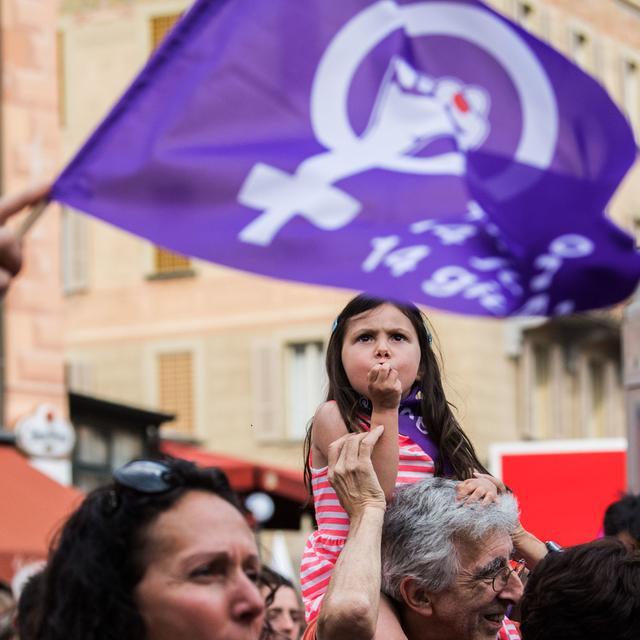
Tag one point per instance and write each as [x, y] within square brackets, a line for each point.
[365, 404]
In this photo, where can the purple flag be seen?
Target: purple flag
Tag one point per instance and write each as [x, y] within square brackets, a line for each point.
[418, 149]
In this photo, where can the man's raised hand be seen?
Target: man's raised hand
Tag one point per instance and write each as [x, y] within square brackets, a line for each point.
[351, 472]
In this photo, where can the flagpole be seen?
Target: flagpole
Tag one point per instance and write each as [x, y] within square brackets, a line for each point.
[33, 215]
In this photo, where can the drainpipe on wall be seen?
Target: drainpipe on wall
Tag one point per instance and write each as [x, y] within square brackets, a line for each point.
[631, 368]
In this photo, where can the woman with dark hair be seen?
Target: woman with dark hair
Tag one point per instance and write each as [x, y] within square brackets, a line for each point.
[284, 619]
[162, 553]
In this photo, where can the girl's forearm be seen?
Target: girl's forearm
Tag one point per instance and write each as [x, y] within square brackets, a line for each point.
[386, 453]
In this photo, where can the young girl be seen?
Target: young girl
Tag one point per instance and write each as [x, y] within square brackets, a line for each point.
[382, 371]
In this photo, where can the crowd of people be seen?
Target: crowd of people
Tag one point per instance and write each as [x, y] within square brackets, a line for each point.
[415, 539]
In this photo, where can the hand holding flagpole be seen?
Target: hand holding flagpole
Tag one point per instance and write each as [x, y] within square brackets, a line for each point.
[10, 250]
[36, 197]
[36, 211]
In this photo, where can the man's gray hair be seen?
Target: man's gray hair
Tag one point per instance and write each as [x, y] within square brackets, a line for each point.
[422, 525]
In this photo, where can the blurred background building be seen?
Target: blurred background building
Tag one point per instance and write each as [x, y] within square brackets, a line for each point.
[238, 357]
[229, 362]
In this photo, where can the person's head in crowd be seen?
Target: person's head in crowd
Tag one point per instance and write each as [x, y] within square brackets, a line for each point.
[163, 552]
[587, 592]
[446, 565]
[29, 608]
[622, 521]
[284, 619]
[7, 609]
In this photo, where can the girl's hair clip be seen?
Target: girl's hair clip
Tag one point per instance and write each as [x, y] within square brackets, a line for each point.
[334, 326]
[429, 337]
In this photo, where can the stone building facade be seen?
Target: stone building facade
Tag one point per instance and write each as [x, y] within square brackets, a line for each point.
[30, 150]
[237, 356]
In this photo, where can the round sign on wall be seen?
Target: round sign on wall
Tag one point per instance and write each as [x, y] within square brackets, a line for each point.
[45, 434]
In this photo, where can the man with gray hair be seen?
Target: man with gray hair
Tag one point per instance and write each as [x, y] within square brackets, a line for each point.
[444, 564]
[447, 564]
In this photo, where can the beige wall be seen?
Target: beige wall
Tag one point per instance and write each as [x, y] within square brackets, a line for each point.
[119, 323]
[612, 31]
[30, 151]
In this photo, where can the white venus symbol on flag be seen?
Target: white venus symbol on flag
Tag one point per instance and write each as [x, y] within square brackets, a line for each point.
[411, 111]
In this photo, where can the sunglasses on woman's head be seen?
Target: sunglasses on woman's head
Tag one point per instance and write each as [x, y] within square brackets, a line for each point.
[147, 476]
[157, 476]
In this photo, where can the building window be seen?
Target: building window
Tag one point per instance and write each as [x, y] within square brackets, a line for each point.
[60, 68]
[580, 49]
[530, 16]
[108, 435]
[631, 93]
[597, 400]
[500, 6]
[524, 13]
[167, 263]
[636, 230]
[75, 253]
[92, 448]
[99, 451]
[125, 446]
[77, 376]
[571, 379]
[176, 392]
[305, 385]
[542, 404]
[160, 26]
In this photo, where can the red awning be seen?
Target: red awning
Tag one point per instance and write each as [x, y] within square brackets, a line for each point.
[244, 475]
[32, 508]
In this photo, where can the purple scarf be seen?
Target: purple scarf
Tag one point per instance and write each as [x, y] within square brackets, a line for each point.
[410, 424]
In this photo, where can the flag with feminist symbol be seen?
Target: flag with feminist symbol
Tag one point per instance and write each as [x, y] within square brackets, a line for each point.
[427, 150]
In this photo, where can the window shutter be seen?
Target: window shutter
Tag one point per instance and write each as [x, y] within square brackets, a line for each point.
[160, 26]
[75, 254]
[60, 68]
[78, 376]
[169, 262]
[176, 392]
[631, 93]
[305, 385]
[166, 262]
[267, 395]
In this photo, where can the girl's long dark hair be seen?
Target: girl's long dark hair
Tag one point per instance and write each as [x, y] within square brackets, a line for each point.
[452, 442]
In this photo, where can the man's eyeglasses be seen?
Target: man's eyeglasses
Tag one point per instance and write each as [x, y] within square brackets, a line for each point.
[500, 579]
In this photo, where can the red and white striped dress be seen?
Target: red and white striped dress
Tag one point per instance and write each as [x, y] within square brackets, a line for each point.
[509, 631]
[325, 544]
